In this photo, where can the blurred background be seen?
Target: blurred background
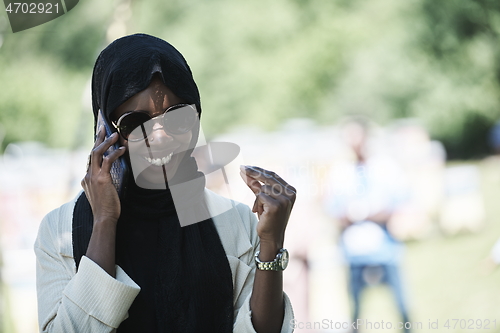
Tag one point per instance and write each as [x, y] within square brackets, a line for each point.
[284, 79]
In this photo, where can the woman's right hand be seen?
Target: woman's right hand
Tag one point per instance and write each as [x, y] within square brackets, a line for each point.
[97, 183]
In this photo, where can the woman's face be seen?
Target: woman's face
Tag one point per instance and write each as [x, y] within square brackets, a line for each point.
[148, 162]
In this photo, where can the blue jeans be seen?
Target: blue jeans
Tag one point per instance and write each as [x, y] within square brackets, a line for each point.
[390, 275]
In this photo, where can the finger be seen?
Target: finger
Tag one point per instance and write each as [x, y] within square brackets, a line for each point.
[275, 176]
[108, 161]
[268, 178]
[264, 201]
[278, 193]
[85, 188]
[88, 162]
[255, 206]
[272, 190]
[98, 152]
[284, 195]
[99, 136]
[108, 142]
[253, 184]
[265, 176]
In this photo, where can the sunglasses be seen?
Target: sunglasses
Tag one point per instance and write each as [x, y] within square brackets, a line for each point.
[136, 125]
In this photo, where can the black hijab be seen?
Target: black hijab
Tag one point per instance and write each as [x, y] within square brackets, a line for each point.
[183, 272]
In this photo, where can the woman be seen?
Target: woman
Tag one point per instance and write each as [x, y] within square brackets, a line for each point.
[106, 263]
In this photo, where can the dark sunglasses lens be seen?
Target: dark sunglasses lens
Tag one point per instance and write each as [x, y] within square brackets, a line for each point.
[181, 120]
[130, 126]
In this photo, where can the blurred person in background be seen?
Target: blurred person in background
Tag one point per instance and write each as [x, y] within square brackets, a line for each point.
[109, 263]
[423, 162]
[492, 261]
[494, 138]
[365, 190]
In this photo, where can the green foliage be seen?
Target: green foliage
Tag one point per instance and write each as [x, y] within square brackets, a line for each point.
[461, 40]
[262, 62]
[42, 103]
[43, 72]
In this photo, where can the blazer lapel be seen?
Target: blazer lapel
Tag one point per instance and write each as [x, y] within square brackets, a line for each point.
[230, 226]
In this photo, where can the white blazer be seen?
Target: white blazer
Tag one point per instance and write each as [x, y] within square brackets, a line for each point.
[90, 300]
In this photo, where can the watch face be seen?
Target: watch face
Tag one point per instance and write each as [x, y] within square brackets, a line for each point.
[284, 259]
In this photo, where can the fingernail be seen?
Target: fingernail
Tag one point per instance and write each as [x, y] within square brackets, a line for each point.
[242, 167]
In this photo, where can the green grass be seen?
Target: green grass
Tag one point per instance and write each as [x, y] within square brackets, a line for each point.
[6, 325]
[446, 276]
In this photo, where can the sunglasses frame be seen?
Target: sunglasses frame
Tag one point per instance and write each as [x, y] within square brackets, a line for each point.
[162, 116]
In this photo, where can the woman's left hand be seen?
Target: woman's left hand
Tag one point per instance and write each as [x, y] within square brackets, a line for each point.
[273, 203]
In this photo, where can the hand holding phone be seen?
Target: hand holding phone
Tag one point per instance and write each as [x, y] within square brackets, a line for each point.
[104, 201]
[119, 168]
[105, 176]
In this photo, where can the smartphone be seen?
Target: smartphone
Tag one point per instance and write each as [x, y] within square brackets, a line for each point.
[119, 169]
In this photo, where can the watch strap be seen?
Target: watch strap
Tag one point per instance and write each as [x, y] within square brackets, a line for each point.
[274, 265]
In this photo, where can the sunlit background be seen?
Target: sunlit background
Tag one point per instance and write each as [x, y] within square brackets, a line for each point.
[280, 78]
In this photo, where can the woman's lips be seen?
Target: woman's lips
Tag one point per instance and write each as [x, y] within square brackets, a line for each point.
[154, 160]
[159, 161]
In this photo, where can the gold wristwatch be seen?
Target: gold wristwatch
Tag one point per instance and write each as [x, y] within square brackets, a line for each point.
[278, 264]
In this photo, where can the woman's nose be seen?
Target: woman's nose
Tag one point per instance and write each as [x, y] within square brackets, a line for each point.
[158, 136]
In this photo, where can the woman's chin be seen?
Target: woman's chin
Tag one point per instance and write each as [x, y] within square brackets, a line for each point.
[154, 177]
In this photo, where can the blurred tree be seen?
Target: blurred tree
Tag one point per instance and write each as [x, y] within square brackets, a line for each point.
[462, 41]
[262, 62]
[43, 72]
